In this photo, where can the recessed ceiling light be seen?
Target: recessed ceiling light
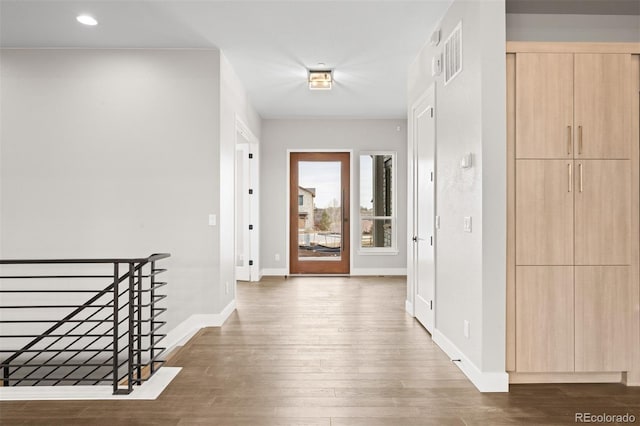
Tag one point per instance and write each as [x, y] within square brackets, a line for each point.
[320, 79]
[87, 20]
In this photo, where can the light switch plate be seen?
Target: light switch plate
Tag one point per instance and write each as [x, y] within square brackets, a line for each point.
[212, 220]
[467, 224]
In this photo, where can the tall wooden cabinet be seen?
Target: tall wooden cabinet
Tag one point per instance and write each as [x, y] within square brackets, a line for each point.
[574, 291]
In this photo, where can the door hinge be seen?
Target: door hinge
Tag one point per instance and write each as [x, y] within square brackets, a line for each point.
[250, 155]
[250, 227]
[431, 111]
[250, 191]
[431, 176]
[430, 302]
[251, 263]
[431, 240]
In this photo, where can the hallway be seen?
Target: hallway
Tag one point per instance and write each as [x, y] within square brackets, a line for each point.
[326, 351]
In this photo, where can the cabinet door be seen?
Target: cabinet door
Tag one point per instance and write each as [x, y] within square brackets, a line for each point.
[603, 310]
[603, 105]
[603, 212]
[544, 105]
[544, 212]
[544, 319]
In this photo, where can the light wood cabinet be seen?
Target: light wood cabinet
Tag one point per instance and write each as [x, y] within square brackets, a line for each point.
[544, 319]
[603, 308]
[603, 112]
[602, 212]
[573, 244]
[544, 104]
[544, 212]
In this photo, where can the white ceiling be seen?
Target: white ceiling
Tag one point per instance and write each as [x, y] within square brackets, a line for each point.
[370, 44]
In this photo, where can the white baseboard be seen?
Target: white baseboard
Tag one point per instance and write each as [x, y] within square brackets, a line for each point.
[408, 306]
[484, 381]
[180, 334]
[274, 272]
[150, 389]
[379, 271]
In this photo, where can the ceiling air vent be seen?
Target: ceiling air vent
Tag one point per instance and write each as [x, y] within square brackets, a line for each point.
[453, 54]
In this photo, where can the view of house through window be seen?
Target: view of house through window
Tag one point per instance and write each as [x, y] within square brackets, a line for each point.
[377, 218]
[319, 210]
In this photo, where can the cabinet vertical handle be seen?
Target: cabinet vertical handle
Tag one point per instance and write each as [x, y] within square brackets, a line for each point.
[580, 167]
[569, 140]
[570, 177]
[579, 140]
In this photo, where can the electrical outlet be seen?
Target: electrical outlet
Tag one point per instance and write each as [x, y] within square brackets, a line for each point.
[226, 287]
[466, 329]
[277, 257]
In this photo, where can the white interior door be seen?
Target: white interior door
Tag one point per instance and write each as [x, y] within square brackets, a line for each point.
[424, 209]
[243, 209]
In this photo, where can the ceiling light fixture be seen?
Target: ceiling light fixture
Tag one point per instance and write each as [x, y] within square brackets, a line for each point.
[87, 20]
[320, 79]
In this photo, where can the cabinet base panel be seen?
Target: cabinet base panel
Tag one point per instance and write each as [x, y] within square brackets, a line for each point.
[521, 378]
[631, 378]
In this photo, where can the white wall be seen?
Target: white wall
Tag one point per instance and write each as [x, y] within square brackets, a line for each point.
[233, 103]
[114, 153]
[470, 117]
[360, 135]
[595, 28]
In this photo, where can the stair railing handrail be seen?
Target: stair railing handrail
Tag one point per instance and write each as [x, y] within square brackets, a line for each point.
[135, 266]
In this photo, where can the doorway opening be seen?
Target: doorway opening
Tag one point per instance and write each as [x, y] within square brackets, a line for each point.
[246, 205]
[319, 208]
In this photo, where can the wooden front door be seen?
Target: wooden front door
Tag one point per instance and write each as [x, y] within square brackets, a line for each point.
[319, 193]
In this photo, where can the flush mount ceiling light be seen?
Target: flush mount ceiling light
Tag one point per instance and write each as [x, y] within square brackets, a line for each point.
[87, 20]
[320, 79]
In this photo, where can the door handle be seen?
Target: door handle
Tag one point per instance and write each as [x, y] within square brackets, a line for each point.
[415, 239]
[579, 140]
[580, 168]
[569, 140]
[570, 177]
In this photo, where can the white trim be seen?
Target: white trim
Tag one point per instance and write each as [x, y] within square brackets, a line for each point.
[408, 307]
[150, 389]
[379, 271]
[484, 381]
[377, 251]
[180, 334]
[274, 272]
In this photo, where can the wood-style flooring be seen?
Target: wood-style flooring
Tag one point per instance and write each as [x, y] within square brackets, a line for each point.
[326, 351]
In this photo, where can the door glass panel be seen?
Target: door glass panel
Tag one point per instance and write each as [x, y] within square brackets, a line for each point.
[319, 210]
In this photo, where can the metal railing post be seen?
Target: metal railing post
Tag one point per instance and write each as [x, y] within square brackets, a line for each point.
[132, 281]
[139, 325]
[5, 376]
[152, 340]
[115, 326]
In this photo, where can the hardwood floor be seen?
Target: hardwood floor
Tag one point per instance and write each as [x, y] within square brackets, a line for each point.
[326, 351]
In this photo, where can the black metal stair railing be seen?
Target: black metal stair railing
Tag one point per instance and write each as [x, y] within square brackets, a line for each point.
[50, 334]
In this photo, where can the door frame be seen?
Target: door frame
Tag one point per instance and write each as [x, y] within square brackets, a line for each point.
[287, 209]
[412, 202]
[254, 200]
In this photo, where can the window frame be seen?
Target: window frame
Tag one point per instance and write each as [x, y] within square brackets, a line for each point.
[393, 250]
